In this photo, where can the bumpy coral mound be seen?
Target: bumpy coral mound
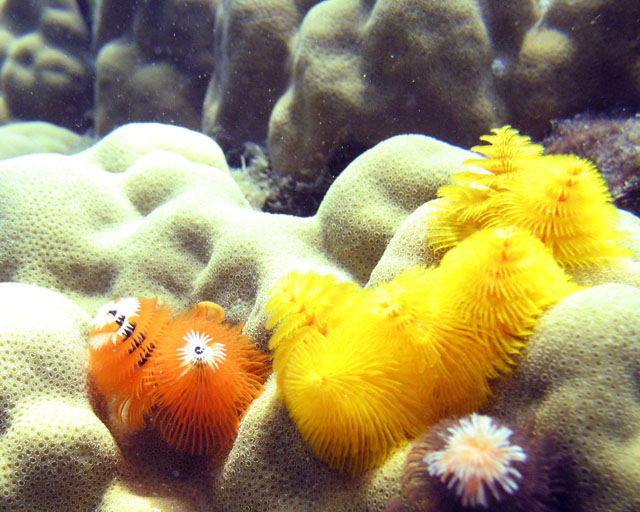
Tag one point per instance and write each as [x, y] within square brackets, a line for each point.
[55, 452]
[153, 63]
[80, 248]
[320, 81]
[407, 63]
[580, 375]
[46, 66]
[253, 40]
[153, 210]
[37, 137]
[271, 468]
[449, 69]
[53, 449]
[572, 61]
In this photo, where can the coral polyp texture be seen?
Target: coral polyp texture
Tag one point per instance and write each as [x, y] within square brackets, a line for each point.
[55, 453]
[574, 357]
[153, 211]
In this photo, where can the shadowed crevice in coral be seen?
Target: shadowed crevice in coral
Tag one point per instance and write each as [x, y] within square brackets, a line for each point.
[85, 277]
[299, 198]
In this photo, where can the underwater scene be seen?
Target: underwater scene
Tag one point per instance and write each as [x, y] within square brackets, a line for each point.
[320, 255]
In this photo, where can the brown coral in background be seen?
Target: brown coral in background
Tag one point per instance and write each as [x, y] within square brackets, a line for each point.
[153, 61]
[317, 82]
[46, 64]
